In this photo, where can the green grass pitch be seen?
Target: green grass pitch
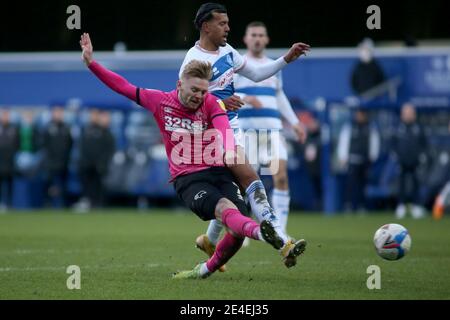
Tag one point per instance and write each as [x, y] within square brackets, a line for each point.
[128, 255]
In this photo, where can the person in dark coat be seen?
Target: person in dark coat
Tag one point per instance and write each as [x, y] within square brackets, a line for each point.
[97, 147]
[409, 146]
[57, 145]
[358, 148]
[367, 73]
[9, 146]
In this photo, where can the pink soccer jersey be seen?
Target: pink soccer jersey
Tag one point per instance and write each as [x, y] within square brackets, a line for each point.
[189, 135]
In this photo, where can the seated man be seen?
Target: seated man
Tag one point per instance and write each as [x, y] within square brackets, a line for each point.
[197, 166]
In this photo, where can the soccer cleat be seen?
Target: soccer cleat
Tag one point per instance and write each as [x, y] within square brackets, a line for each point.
[270, 235]
[202, 242]
[438, 209]
[189, 274]
[291, 251]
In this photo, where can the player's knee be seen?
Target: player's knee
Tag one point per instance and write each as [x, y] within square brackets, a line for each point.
[245, 174]
[222, 205]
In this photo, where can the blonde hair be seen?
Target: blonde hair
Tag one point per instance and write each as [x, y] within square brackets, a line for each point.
[197, 69]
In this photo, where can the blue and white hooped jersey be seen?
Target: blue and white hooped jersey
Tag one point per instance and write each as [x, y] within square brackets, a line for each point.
[268, 116]
[225, 62]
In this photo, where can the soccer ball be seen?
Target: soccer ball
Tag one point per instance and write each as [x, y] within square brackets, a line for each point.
[392, 241]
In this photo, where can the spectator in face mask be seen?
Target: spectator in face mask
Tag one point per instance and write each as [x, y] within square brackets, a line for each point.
[367, 73]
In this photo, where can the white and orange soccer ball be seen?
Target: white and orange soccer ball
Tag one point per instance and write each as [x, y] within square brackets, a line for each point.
[392, 241]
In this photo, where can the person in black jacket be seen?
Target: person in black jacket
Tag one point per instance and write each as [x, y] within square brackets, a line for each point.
[9, 146]
[409, 146]
[367, 73]
[97, 147]
[57, 144]
[358, 148]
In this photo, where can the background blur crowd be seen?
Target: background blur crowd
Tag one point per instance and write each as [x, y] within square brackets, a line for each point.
[93, 157]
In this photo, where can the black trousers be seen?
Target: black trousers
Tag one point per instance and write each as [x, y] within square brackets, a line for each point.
[202, 190]
[93, 187]
[356, 185]
[56, 187]
[408, 185]
[6, 182]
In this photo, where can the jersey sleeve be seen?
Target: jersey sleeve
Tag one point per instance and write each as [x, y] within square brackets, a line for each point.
[218, 118]
[262, 72]
[284, 106]
[149, 98]
[114, 81]
[215, 107]
[280, 80]
[238, 60]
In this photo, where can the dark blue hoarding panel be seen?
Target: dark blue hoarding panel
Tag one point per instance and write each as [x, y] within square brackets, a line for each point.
[422, 77]
[44, 87]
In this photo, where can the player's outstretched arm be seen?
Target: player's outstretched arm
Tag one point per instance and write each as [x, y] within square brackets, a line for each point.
[288, 113]
[86, 48]
[269, 69]
[296, 51]
[263, 72]
[111, 79]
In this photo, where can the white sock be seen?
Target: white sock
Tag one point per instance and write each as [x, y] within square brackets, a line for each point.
[280, 201]
[204, 272]
[257, 197]
[214, 229]
[260, 236]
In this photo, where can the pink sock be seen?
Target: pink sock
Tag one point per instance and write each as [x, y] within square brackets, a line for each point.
[225, 249]
[241, 225]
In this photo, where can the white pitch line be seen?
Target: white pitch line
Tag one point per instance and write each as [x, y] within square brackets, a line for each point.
[94, 267]
[49, 251]
[103, 267]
